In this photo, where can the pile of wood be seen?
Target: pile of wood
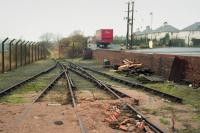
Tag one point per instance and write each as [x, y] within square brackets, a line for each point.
[127, 64]
[133, 67]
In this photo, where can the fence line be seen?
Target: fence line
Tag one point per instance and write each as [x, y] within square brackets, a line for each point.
[20, 53]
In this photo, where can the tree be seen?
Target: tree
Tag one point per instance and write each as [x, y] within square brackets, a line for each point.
[48, 37]
[74, 44]
[165, 40]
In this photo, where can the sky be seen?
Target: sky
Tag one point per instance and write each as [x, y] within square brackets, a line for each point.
[29, 19]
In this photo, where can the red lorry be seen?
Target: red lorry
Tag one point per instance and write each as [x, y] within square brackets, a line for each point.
[104, 37]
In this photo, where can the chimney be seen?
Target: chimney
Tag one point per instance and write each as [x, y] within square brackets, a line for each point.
[148, 28]
[165, 23]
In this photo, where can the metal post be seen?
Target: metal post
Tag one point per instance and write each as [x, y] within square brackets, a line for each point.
[127, 35]
[45, 52]
[29, 60]
[41, 52]
[21, 44]
[59, 51]
[35, 51]
[16, 53]
[10, 54]
[32, 51]
[38, 52]
[132, 20]
[26, 52]
[3, 63]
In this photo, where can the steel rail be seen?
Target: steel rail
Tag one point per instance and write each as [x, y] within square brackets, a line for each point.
[50, 85]
[100, 84]
[137, 113]
[72, 95]
[15, 86]
[140, 86]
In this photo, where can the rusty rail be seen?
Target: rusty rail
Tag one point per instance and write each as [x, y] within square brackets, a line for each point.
[71, 86]
[139, 86]
[50, 85]
[136, 113]
[15, 86]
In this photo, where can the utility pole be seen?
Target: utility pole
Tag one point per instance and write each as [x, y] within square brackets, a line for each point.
[151, 14]
[132, 19]
[127, 34]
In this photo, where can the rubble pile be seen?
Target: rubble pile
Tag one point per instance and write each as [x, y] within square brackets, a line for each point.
[117, 117]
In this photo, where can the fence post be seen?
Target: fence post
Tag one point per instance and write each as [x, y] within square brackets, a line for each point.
[26, 52]
[3, 63]
[32, 51]
[29, 57]
[35, 51]
[45, 52]
[21, 62]
[16, 54]
[38, 51]
[10, 54]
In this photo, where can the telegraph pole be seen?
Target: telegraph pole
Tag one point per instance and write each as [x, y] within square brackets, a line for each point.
[132, 19]
[151, 14]
[127, 34]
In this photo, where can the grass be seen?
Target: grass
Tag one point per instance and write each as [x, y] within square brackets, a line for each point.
[21, 94]
[22, 73]
[14, 99]
[189, 95]
[164, 121]
[189, 130]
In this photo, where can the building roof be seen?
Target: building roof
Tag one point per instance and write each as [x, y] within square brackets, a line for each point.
[144, 32]
[165, 28]
[137, 33]
[193, 27]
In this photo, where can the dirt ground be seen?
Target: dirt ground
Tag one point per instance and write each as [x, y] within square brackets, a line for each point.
[37, 118]
[41, 117]
[159, 111]
[61, 117]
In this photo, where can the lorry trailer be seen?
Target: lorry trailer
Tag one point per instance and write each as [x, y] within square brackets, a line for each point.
[104, 37]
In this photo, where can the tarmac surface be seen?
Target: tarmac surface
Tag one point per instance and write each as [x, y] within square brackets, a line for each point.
[184, 51]
[172, 51]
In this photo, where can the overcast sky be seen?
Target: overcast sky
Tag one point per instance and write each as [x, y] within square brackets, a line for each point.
[28, 19]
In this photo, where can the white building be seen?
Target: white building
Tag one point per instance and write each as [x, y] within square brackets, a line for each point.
[189, 33]
[163, 30]
[146, 34]
[158, 33]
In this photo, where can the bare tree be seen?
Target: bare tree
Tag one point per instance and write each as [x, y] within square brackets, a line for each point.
[47, 37]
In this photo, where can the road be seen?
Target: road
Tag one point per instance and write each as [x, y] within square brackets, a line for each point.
[172, 51]
[185, 51]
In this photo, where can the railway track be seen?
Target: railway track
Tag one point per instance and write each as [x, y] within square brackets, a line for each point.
[138, 86]
[71, 87]
[62, 74]
[15, 86]
[119, 95]
[50, 85]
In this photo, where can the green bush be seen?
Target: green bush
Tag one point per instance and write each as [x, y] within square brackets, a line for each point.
[177, 43]
[196, 42]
